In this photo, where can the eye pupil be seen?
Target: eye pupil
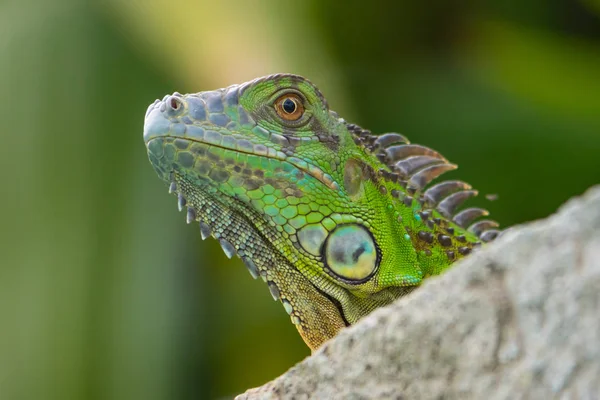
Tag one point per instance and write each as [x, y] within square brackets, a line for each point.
[289, 106]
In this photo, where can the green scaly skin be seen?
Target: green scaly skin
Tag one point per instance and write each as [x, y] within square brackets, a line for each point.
[336, 220]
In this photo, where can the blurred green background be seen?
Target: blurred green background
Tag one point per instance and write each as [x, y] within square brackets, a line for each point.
[106, 293]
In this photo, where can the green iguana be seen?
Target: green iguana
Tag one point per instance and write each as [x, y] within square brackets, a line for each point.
[337, 221]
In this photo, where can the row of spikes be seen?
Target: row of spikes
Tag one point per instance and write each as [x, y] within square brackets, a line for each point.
[413, 167]
[230, 251]
[228, 248]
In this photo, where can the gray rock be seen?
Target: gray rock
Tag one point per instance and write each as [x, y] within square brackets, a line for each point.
[519, 319]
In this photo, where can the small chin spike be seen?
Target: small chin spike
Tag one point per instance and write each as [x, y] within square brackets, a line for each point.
[172, 187]
[227, 247]
[191, 215]
[204, 230]
[274, 290]
[181, 202]
[251, 267]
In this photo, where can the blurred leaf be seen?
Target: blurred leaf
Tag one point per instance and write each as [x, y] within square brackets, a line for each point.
[554, 71]
[87, 297]
[594, 5]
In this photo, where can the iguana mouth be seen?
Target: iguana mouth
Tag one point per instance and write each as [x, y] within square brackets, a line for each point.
[159, 125]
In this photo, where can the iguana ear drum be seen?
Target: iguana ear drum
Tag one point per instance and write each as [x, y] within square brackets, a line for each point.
[350, 252]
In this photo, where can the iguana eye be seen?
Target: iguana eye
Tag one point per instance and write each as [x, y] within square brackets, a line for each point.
[289, 107]
[350, 252]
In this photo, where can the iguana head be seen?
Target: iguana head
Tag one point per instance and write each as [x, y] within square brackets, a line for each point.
[318, 207]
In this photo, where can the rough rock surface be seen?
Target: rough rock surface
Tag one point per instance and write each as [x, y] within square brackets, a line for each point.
[519, 319]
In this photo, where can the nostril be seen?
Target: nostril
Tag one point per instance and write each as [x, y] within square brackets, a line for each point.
[174, 103]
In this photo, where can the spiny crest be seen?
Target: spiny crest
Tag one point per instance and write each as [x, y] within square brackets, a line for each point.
[413, 167]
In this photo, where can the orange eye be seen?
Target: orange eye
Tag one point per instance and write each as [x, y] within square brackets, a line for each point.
[289, 107]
